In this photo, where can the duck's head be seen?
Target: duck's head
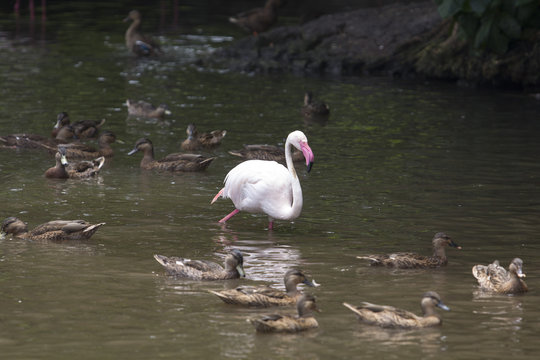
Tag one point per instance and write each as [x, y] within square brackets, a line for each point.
[516, 266]
[133, 15]
[235, 260]
[106, 137]
[431, 299]
[306, 305]
[62, 119]
[61, 156]
[143, 144]
[191, 131]
[441, 239]
[165, 109]
[294, 276]
[12, 225]
[308, 97]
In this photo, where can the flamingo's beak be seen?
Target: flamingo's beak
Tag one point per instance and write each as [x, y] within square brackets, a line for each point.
[308, 155]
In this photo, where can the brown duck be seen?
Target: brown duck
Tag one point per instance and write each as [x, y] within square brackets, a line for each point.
[266, 152]
[57, 230]
[196, 140]
[139, 44]
[203, 269]
[285, 323]
[34, 141]
[77, 170]
[415, 261]
[265, 296]
[173, 162]
[82, 129]
[495, 278]
[258, 20]
[145, 109]
[313, 108]
[391, 317]
[87, 152]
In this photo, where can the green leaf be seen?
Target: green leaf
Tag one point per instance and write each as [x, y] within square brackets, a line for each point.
[468, 23]
[498, 42]
[479, 6]
[482, 36]
[509, 26]
[448, 8]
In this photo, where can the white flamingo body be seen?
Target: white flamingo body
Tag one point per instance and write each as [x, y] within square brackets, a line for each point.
[260, 186]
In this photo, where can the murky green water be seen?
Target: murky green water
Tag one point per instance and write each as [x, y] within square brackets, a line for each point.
[397, 162]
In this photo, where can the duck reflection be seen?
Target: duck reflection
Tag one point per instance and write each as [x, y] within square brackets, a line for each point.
[500, 312]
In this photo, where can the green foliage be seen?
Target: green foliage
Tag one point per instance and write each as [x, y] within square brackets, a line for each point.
[492, 24]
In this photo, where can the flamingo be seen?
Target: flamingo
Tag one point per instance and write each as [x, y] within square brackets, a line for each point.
[260, 186]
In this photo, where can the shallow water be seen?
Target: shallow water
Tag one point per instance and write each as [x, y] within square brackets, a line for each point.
[396, 162]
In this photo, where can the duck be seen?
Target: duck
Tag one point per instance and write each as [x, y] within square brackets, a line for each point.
[203, 269]
[83, 151]
[196, 141]
[290, 324]
[312, 108]
[415, 261]
[82, 129]
[57, 230]
[145, 109]
[35, 141]
[391, 317]
[175, 162]
[494, 277]
[78, 170]
[139, 44]
[266, 152]
[265, 296]
[258, 20]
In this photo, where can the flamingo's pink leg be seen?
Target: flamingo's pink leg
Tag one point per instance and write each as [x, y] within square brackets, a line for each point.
[271, 225]
[234, 212]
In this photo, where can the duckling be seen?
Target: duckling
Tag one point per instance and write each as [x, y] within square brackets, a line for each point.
[495, 278]
[312, 108]
[414, 261]
[139, 44]
[391, 317]
[259, 19]
[291, 324]
[78, 170]
[173, 162]
[266, 152]
[82, 129]
[57, 230]
[203, 269]
[265, 296]
[196, 141]
[145, 109]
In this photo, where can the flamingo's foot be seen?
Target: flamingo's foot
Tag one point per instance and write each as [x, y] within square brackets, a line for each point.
[234, 212]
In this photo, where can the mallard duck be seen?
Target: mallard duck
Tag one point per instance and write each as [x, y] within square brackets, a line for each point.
[82, 129]
[265, 296]
[391, 317]
[312, 108]
[34, 141]
[139, 44]
[258, 20]
[203, 269]
[172, 162]
[266, 152]
[412, 260]
[196, 141]
[87, 152]
[285, 323]
[145, 109]
[495, 278]
[78, 170]
[56, 230]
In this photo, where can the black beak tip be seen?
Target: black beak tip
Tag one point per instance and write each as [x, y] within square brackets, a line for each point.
[309, 166]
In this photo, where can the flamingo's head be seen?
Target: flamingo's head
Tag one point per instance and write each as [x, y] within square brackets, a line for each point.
[299, 140]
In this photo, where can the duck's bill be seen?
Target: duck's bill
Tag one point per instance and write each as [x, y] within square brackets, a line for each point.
[133, 151]
[442, 306]
[241, 271]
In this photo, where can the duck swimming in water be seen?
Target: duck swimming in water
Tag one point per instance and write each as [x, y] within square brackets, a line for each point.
[196, 140]
[203, 269]
[265, 296]
[290, 324]
[145, 109]
[415, 261]
[494, 277]
[391, 317]
[137, 43]
[57, 230]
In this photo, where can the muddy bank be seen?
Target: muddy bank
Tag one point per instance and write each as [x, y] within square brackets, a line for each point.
[397, 40]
